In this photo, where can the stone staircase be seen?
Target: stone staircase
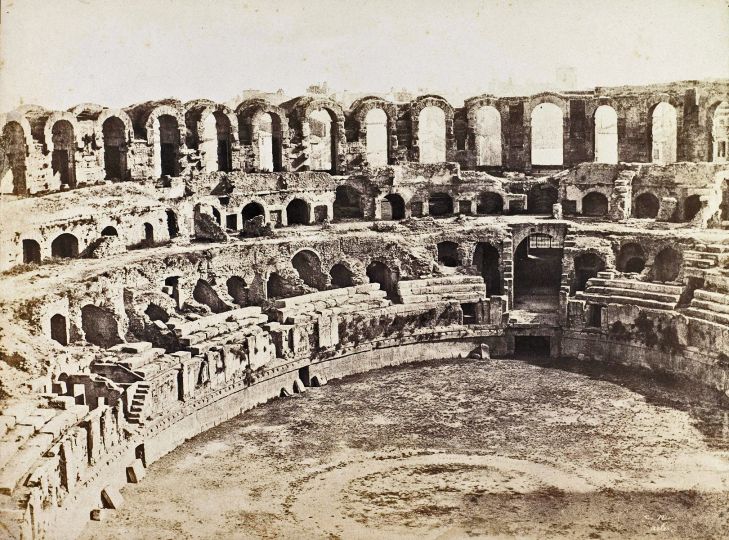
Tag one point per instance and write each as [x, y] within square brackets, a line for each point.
[136, 407]
[607, 289]
[711, 303]
[459, 288]
[707, 256]
[197, 330]
[344, 300]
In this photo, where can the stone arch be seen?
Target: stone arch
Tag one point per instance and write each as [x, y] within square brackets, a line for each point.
[719, 122]
[606, 134]
[341, 276]
[432, 135]
[100, 326]
[448, 254]
[265, 127]
[114, 137]
[667, 265]
[76, 134]
[393, 207]
[594, 204]
[646, 206]
[304, 107]
[586, 266]
[297, 212]
[16, 150]
[276, 286]
[322, 140]
[347, 203]
[63, 153]
[440, 204]
[238, 290]
[547, 134]
[379, 154]
[691, 207]
[490, 202]
[630, 258]
[205, 294]
[65, 246]
[167, 146]
[148, 235]
[487, 259]
[308, 266]
[59, 329]
[379, 272]
[664, 133]
[537, 272]
[252, 210]
[109, 231]
[416, 108]
[212, 129]
[377, 138]
[31, 251]
[173, 228]
[486, 122]
[541, 198]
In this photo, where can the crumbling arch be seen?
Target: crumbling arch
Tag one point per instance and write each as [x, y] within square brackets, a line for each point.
[537, 271]
[377, 130]
[167, 145]
[252, 210]
[646, 206]
[65, 246]
[490, 202]
[448, 254]
[63, 157]
[547, 132]
[14, 144]
[487, 259]
[276, 286]
[205, 294]
[238, 290]
[216, 137]
[31, 252]
[341, 276]
[322, 140]
[487, 136]
[393, 207]
[663, 133]
[377, 138]
[630, 258]
[667, 265]
[114, 134]
[109, 231]
[59, 329]
[586, 265]
[440, 204]
[606, 134]
[347, 203]
[720, 133]
[297, 212]
[691, 207]
[432, 134]
[269, 142]
[308, 265]
[379, 272]
[265, 128]
[541, 198]
[100, 326]
[594, 204]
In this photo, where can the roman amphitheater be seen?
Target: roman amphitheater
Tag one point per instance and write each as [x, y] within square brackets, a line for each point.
[169, 268]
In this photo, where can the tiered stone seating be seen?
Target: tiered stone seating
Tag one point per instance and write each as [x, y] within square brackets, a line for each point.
[606, 289]
[194, 332]
[711, 303]
[344, 300]
[463, 289]
[707, 256]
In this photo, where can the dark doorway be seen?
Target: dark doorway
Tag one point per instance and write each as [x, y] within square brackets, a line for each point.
[308, 266]
[691, 207]
[63, 159]
[297, 212]
[667, 265]
[172, 227]
[532, 347]
[393, 207]
[99, 326]
[646, 206]
[440, 204]
[347, 203]
[630, 258]
[594, 204]
[148, 235]
[65, 246]
[59, 329]
[378, 272]
[448, 254]
[341, 276]
[114, 148]
[31, 252]
[541, 198]
[587, 265]
[490, 203]
[251, 210]
[488, 261]
[537, 273]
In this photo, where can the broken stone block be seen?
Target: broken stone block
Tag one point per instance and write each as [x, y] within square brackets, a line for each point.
[99, 514]
[111, 498]
[135, 471]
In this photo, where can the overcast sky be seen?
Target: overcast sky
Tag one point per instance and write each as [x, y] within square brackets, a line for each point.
[59, 53]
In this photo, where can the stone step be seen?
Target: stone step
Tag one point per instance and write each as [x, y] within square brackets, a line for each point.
[457, 297]
[629, 300]
[645, 295]
[634, 284]
[707, 315]
[711, 296]
[442, 289]
[710, 306]
[439, 281]
[718, 282]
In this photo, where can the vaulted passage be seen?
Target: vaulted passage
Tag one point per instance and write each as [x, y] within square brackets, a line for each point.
[630, 258]
[487, 136]
[167, 145]
[594, 204]
[269, 143]
[432, 135]
[63, 160]
[393, 207]
[297, 212]
[347, 203]
[448, 254]
[13, 142]
[322, 140]
[308, 266]
[537, 273]
[646, 206]
[377, 140]
[59, 329]
[341, 276]
[100, 326]
[667, 265]
[541, 198]
[691, 207]
[488, 261]
[205, 294]
[238, 290]
[606, 134]
[109, 231]
[490, 203]
[31, 252]
[115, 149]
[587, 265]
[252, 210]
[65, 246]
[216, 142]
[378, 272]
[547, 132]
[663, 134]
[440, 204]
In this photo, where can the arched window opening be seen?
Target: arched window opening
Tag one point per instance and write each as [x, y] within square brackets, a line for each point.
[646, 206]
[269, 143]
[238, 290]
[487, 132]
[109, 231]
[322, 140]
[594, 204]
[63, 159]
[65, 246]
[148, 235]
[15, 152]
[378, 272]
[59, 329]
[440, 204]
[490, 203]
[432, 135]
[488, 261]
[547, 135]
[348, 203]
[115, 148]
[587, 265]
[606, 135]
[172, 227]
[308, 266]
[252, 210]
[537, 273]
[297, 212]
[341, 276]
[448, 254]
[393, 207]
[667, 265]
[691, 207]
[377, 139]
[99, 326]
[664, 134]
[168, 145]
[720, 133]
[541, 198]
[630, 259]
[31, 252]
[204, 293]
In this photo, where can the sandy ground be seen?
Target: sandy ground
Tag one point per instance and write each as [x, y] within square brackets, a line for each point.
[458, 449]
